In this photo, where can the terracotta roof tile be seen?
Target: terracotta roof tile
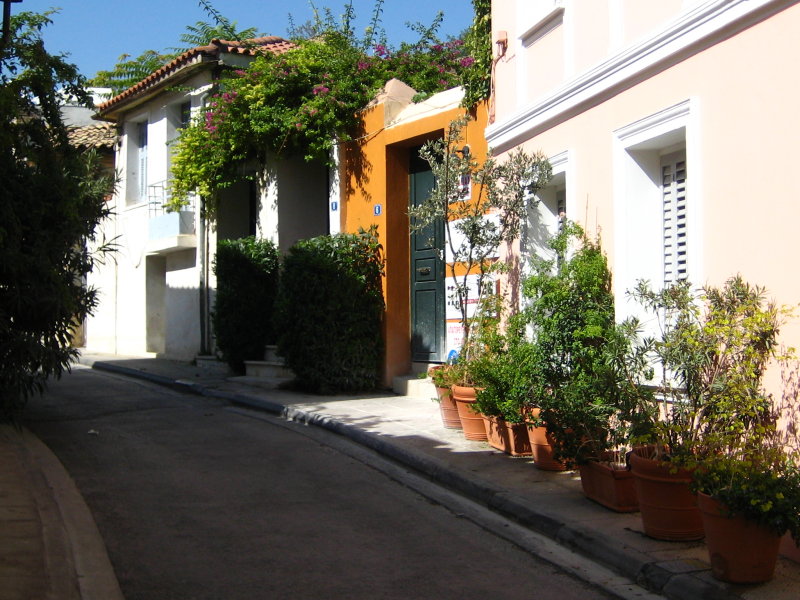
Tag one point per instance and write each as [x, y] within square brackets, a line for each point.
[272, 43]
[100, 135]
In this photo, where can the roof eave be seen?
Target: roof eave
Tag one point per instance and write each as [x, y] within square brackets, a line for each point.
[184, 72]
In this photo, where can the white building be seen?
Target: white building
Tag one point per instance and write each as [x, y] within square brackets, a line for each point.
[157, 290]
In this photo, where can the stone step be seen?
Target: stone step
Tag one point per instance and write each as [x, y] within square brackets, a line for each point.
[413, 386]
[267, 383]
[267, 368]
[271, 354]
[212, 365]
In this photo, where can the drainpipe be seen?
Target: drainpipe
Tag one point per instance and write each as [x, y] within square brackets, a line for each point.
[203, 248]
[202, 233]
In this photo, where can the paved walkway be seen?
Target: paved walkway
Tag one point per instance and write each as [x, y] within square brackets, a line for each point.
[404, 428]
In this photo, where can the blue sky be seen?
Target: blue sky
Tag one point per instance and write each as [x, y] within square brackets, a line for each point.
[96, 32]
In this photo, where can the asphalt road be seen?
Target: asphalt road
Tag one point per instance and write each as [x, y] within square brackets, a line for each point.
[199, 500]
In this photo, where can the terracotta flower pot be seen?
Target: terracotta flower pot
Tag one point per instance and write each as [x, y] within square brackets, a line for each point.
[741, 551]
[613, 488]
[496, 433]
[511, 438]
[542, 447]
[668, 507]
[448, 409]
[471, 420]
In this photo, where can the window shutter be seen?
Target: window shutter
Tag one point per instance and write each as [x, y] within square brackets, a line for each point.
[673, 173]
[142, 142]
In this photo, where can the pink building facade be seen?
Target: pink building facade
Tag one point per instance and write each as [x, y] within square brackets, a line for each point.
[672, 127]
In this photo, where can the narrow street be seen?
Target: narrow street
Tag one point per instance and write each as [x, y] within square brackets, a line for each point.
[197, 500]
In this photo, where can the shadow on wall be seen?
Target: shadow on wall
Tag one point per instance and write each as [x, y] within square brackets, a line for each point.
[172, 307]
[357, 166]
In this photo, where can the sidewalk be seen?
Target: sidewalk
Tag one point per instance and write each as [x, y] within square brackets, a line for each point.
[409, 431]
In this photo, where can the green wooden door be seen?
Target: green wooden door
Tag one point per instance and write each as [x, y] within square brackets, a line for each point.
[427, 274]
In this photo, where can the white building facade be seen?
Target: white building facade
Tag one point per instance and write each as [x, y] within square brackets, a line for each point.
[157, 290]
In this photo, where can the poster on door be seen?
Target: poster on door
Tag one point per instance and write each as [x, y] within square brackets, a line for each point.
[454, 340]
[452, 310]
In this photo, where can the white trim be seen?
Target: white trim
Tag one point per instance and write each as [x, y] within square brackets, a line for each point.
[672, 117]
[542, 27]
[635, 137]
[707, 22]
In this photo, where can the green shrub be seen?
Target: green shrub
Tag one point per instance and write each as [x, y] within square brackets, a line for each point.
[330, 310]
[247, 272]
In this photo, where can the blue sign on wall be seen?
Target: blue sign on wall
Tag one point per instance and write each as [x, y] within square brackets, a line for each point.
[334, 206]
[377, 210]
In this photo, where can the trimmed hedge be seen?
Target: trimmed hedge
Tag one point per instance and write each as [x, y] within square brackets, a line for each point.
[247, 273]
[330, 310]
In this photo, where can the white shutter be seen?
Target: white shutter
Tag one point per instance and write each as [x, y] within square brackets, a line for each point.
[142, 141]
[673, 174]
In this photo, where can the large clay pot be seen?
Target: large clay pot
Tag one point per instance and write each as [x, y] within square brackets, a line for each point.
[613, 488]
[496, 433]
[511, 438]
[741, 551]
[471, 420]
[448, 409]
[519, 443]
[542, 447]
[668, 507]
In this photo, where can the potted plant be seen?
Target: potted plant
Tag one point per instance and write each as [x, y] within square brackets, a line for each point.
[712, 352]
[582, 393]
[505, 375]
[747, 481]
[443, 377]
[748, 499]
[478, 217]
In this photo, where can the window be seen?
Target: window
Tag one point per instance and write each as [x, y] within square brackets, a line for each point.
[136, 176]
[141, 136]
[184, 114]
[656, 213]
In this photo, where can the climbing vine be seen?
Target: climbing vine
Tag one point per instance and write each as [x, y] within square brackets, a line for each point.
[304, 101]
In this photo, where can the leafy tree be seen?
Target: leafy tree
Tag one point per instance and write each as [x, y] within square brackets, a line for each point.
[477, 75]
[51, 201]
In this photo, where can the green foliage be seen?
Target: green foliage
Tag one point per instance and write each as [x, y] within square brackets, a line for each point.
[476, 226]
[247, 273]
[129, 71]
[507, 373]
[477, 73]
[329, 312]
[305, 101]
[589, 370]
[51, 201]
[713, 352]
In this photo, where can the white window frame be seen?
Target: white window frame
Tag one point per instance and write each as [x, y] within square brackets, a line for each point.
[673, 128]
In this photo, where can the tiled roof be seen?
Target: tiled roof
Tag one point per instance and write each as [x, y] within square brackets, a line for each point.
[100, 135]
[272, 43]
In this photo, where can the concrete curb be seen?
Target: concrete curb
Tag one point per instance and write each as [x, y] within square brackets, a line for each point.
[673, 579]
[96, 579]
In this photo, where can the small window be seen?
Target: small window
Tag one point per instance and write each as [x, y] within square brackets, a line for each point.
[184, 114]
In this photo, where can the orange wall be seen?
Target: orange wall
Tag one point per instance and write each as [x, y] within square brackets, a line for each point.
[375, 173]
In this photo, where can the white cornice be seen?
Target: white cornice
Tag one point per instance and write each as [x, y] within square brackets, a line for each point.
[705, 22]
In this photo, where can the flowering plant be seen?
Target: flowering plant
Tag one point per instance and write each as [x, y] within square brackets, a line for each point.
[303, 102]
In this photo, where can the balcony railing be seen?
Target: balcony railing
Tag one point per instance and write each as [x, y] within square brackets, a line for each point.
[168, 231]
